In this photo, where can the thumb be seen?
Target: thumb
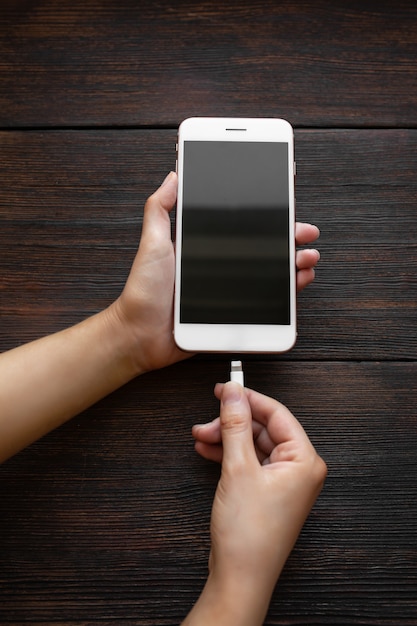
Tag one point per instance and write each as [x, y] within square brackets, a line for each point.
[236, 425]
[166, 195]
[156, 222]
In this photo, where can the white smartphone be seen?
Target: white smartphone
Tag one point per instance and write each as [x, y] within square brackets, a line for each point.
[235, 242]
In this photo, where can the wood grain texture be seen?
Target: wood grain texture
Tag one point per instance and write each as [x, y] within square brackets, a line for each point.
[107, 519]
[71, 207]
[78, 62]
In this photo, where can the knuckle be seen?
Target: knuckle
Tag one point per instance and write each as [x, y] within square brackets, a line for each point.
[234, 421]
[319, 470]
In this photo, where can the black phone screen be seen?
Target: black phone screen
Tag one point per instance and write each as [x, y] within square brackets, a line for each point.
[235, 233]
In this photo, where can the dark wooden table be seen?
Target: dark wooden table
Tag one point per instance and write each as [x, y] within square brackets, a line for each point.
[106, 521]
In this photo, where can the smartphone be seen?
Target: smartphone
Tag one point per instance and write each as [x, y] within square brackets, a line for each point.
[235, 241]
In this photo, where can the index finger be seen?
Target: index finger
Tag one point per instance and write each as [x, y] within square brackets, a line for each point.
[281, 424]
[305, 233]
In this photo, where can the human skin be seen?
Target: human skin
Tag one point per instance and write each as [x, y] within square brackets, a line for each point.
[271, 476]
[46, 382]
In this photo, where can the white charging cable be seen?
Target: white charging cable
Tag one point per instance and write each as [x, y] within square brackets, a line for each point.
[236, 373]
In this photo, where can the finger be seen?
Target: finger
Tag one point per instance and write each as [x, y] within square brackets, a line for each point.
[275, 424]
[281, 424]
[304, 278]
[236, 426]
[166, 194]
[156, 220]
[218, 388]
[209, 436]
[209, 452]
[307, 258]
[305, 233]
[208, 433]
[263, 442]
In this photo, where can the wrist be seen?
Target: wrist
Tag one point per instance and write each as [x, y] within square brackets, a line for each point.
[143, 337]
[240, 601]
[122, 342]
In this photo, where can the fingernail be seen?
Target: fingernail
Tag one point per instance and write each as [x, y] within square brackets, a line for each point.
[198, 426]
[232, 393]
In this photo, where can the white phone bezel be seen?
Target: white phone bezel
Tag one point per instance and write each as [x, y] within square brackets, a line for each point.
[241, 338]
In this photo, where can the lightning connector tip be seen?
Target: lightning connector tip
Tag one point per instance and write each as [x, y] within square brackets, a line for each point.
[236, 373]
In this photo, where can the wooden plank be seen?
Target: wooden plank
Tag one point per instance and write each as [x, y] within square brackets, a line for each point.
[71, 204]
[360, 188]
[107, 519]
[94, 62]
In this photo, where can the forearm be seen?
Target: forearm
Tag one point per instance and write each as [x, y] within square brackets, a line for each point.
[235, 602]
[48, 381]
